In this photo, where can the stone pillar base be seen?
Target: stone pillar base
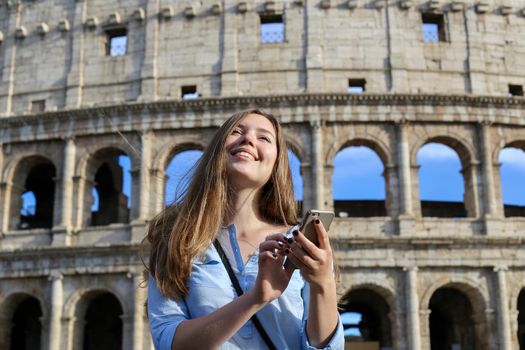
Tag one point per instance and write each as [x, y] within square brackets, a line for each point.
[61, 236]
[406, 225]
[138, 231]
[492, 226]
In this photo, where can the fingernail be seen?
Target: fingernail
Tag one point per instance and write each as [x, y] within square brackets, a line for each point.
[317, 221]
[295, 233]
[290, 240]
[280, 244]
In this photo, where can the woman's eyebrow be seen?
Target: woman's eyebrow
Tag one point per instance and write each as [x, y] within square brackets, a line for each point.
[265, 131]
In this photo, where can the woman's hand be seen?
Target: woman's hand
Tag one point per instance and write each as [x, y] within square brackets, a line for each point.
[315, 263]
[272, 278]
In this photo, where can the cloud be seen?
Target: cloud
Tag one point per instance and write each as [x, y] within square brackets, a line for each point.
[436, 152]
[513, 157]
[357, 161]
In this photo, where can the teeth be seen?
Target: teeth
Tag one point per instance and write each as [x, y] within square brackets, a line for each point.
[245, 154]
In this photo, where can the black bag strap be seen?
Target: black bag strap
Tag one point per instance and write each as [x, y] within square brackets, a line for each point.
[240, 292]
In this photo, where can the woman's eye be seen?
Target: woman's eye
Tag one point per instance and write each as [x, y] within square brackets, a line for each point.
[267, 139]
[236, 132]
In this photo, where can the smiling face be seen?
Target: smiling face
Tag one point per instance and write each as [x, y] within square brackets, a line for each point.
[251, 150]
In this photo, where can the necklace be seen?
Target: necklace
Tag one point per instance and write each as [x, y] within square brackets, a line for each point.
[245, 241]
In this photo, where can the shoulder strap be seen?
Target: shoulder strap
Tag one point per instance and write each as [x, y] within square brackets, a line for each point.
[240, 292]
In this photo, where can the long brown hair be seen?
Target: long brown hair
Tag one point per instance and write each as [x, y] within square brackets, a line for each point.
[183, 231]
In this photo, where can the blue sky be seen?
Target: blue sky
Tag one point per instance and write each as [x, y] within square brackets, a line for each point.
[358, 175]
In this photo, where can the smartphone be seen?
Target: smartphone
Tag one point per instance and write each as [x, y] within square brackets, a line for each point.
[308, 227]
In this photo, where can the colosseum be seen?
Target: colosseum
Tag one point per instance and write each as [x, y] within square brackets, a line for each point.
[85, 83]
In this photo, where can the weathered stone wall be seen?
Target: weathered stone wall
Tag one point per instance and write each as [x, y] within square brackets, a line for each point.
[453, 92]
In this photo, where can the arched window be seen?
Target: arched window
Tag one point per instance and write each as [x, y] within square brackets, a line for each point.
[26, 327]
[38, 196]
[297, 178]
[358, 185]
[512, 173]
[103, 323]
[365, 320]
[441, 185]
[179, 173]
[111, 193]
[450, 321]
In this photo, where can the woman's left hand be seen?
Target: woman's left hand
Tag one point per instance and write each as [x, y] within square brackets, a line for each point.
[315, 263]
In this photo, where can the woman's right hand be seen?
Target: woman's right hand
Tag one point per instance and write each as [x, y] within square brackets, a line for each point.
[272, 278]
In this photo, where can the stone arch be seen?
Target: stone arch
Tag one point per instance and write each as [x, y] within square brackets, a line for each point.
[369, 207]
[474, 290]
[509, 210]
[8, 306]
[87, 167]
[479, 300]
[167, 152]
[370, 141]
[179, 171]
[294, 144]
[515, 143]
[161, 160]
[86, 162]
[514, 294]
[467, 156]
[75, 309]
[465, 150]
[519, 331]
[376, 304]
[383, 290]
[17, 174]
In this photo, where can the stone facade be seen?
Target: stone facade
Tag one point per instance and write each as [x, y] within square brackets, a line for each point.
[97, 106]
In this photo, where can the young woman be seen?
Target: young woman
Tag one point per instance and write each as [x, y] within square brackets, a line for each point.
[241, 195]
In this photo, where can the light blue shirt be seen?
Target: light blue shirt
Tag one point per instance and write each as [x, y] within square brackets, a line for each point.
[210, 288]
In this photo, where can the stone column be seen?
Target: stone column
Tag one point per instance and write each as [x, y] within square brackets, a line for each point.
[10, 44]
[503, 309]
[63, 234]
[158, 180]
[513, 315]
[405, 182]
[313, 43]
[139, 297]
[56, 310]
[5, 331]
[488, 175]
[82, 201]
[228, 50]
[406, 211]
[412, 300]
[472, 196]
[2, 157]
[493, 207]
[148, 72]
[75, 77]
[145, 157]
[308, 195]
[5, 205]
[317, 164]
[424, 317]
[127, 331]
[134, 211]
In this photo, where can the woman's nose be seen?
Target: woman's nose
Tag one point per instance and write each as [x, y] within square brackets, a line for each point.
[249, 138]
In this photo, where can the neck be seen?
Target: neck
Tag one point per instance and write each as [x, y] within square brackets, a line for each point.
[246, 213]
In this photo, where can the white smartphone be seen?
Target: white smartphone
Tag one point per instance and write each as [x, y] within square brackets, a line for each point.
[308, 227]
